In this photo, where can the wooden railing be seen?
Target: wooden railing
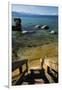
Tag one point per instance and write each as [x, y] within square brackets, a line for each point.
[19, 65]
[49, 65]
[52, 69]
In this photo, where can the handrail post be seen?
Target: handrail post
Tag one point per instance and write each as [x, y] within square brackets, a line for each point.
[20, 69]
[27, 65]
[42, 62]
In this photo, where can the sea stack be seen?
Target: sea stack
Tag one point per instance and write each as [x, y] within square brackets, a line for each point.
[17, 25]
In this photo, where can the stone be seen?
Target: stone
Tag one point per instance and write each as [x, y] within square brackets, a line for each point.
[37, 26]
[17, 25]
[53, 32]
[45, 27]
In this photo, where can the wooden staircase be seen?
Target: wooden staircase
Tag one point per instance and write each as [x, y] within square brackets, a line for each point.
[46, 73]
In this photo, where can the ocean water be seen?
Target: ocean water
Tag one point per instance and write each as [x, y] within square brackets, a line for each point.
[22, 43]
[28, 23]
[39, 37]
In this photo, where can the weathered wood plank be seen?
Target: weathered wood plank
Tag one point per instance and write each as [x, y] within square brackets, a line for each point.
[18, 63]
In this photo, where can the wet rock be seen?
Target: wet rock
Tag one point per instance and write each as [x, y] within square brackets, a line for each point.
[41, 27]
[37, 26]
[53, 32]
[28, 32]
[45, 27]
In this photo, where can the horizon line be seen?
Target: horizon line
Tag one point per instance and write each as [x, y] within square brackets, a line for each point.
[35, 14]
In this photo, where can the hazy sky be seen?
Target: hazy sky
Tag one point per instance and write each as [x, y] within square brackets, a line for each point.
[41, 10]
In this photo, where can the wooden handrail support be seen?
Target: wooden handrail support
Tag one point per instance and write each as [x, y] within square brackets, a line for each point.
[53, 70]
[51, 67]
[19, 64]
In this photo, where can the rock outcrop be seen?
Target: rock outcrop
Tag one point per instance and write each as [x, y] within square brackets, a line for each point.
[17, 26]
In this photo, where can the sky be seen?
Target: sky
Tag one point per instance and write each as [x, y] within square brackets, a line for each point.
[33, 9]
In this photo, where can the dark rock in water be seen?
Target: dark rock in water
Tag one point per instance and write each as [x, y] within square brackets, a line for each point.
[41, 27]
[37, 26]
[56, 33]
[28, 32]
[45, 27]
[53, 32]
[17, 26]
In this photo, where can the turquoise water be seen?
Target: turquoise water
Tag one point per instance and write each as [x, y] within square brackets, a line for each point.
[29, 22]
[40, 37]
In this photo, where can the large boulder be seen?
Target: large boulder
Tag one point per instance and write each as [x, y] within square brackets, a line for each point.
[53, 32]
[37, 26]
[45, 27]
[41, 27]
